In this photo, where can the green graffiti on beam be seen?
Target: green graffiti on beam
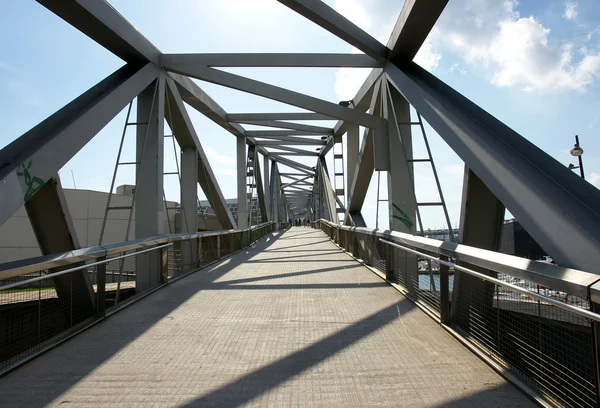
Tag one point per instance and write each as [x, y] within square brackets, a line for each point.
[404, 218]
[33, 183]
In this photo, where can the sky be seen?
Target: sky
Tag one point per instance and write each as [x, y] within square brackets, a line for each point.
[534, 65]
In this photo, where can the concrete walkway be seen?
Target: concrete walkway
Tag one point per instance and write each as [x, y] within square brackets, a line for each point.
[292, 322]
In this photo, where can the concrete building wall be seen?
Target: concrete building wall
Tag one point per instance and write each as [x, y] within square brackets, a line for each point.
[17, 240]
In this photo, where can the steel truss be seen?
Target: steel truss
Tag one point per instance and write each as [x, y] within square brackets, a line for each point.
[560, 210]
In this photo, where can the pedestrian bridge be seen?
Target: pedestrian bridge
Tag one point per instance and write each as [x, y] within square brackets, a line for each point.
[290, 320]
[257, 312]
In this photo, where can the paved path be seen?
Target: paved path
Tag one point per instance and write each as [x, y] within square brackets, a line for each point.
[291, 322]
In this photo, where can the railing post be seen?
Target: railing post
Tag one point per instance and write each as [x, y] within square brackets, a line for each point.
[101, 289]
[164, 264]
[199, 251]
[218, 247]
[596, 349]
[444, 291]
[389, 263]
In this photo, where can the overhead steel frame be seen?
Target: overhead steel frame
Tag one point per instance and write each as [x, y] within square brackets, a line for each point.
[560, 210]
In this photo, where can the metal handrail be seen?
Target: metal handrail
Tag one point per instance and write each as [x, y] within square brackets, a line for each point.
[568, 280]
[77, 268]
[24, 266]
[574, 309]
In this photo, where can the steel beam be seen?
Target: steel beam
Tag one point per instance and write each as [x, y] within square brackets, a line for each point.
[481, 215]
[55, 233]
[149, 206]
[328, 190]
[352, 144]
[186, 136]
[278, 94]
[366, 164]
[259, 187]
[323, 15]
[267, 188]
[416, 20]
[295, 165]
[35, 157]
[242, 195]
[241, 117]
[278, 154]
[402, 203]
[316, 130]
[294, 150]
[279, 133]
[189, 203]
[288, 142]
[271, 60]
[414, 24]
[103, 24]
[560, 210]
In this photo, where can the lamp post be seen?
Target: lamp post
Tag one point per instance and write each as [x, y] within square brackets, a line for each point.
[577, 152]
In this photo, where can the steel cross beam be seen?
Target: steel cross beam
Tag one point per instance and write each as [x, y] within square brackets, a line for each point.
[271, 60]
[278, 94]
[280, 134]
[291, 149]
[241, 117]
[290, 142]
[317, 130]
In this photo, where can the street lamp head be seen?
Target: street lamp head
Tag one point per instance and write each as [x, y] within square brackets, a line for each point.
[345, 104]
[576, 150]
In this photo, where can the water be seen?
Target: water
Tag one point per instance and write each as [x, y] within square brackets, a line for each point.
[425, 282]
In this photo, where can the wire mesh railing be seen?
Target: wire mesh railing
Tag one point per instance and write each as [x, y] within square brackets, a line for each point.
[534, 320]
[47, 299]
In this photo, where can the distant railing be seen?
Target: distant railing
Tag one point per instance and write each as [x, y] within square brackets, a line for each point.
[534, 322]
[46, 299]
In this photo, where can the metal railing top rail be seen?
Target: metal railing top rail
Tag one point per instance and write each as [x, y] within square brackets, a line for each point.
[580, 283]
[77, 268]
[29, 265]
[574, 309]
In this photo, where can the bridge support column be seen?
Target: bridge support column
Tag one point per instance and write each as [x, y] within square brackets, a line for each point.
[351, 157]
[267, 188]
[189, 203]
[481, 222]
[51, 222]
[242, 195]
[401, 195]
[149, 206]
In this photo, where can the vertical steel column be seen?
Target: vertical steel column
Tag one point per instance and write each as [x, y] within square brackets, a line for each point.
[267, 187]
[189, 203]
[242, 195]
[149, 205]
[101, 289]
[401, 194]
[352, 148]
[444, 291]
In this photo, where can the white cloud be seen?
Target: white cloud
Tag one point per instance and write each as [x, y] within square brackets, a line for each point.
[219, 158]
[594, 179]
[457, 68]
[376, 23]
[427, 58]
[570, 10]
[517, 51]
